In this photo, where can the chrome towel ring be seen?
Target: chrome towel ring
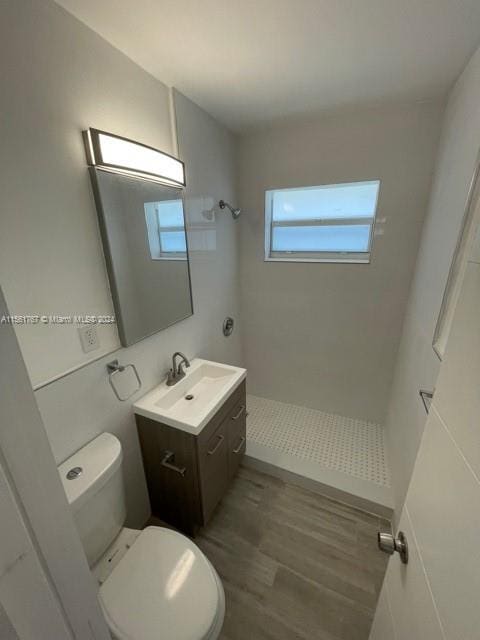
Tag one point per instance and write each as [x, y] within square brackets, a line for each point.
[114, 368]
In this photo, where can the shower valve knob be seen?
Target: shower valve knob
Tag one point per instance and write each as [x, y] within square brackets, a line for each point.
[388, 544]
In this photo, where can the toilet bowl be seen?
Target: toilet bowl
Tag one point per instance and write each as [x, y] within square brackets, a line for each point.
[153, 584]
[163, 587]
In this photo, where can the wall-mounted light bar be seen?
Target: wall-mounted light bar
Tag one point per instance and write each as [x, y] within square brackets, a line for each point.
[114, 153]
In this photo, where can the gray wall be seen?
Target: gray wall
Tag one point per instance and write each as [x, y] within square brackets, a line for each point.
[417, 365]
[60, 78]
[326, 335]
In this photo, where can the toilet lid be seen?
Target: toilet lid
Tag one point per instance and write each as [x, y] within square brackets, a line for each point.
[163, 588]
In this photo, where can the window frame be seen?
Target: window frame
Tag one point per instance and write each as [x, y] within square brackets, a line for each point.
[171, 255]
[159, 229]
[349, 257]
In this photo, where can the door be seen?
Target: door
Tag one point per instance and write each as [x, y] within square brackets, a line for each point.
[436, 596]
[46, 589]
[29, 606]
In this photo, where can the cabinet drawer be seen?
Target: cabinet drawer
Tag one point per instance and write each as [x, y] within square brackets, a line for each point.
[225, 411]
[213, 466]
[237, 437]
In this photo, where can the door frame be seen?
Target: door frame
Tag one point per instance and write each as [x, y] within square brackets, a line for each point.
[34, 485]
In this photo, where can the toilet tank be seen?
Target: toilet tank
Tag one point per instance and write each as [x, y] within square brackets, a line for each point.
[92, 479]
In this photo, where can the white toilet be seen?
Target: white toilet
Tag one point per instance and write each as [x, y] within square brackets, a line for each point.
[154, 584]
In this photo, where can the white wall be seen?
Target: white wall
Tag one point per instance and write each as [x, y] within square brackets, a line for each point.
[60, 79]
[435, 597]
[417, 365]
[326, 335]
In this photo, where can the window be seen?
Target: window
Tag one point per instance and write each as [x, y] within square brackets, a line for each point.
[328, 223]
[166, 230]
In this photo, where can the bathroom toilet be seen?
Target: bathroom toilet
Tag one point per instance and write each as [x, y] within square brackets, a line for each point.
[153, 584]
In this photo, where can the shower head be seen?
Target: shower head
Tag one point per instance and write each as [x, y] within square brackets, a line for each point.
[235, 212]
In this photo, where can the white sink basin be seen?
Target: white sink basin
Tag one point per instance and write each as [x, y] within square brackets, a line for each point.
[210, 384]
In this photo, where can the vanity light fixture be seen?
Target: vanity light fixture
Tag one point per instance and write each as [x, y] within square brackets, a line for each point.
[121, 155]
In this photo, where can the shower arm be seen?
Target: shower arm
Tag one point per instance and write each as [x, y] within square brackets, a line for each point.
[235, 212]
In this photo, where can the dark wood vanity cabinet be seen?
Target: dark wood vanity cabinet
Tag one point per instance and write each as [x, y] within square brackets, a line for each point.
[187, 475]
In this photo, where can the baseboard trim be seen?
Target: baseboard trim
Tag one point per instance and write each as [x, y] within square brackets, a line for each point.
[312, 484]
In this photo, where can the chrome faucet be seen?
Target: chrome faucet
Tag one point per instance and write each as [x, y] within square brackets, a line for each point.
[177, 372]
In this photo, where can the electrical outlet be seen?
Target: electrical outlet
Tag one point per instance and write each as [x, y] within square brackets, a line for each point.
[89, 338]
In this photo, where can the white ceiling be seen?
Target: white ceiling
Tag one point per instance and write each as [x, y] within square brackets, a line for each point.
[250, 61]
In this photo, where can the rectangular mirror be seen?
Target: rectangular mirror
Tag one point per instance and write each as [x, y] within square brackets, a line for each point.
[145, 242]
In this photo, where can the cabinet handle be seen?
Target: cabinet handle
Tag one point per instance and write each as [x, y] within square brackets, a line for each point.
[169, 455]
[212, 451]
[238, 449]
[240, 411]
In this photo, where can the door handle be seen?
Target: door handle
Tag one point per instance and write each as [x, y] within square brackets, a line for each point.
[388, 544]
[212, 451]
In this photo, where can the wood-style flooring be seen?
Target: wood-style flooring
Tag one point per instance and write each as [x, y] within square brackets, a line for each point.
[294, 565]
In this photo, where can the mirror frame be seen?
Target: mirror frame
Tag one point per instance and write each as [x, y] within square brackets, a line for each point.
[107, 251]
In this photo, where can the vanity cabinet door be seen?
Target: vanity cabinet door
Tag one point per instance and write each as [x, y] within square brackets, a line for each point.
[213, 467]
[174, 496]
[237, 436]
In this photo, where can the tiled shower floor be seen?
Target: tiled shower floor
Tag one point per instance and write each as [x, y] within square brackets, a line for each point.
[346, 453]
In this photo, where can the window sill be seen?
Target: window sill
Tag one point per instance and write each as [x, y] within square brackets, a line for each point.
[171, 259]
[365, 260]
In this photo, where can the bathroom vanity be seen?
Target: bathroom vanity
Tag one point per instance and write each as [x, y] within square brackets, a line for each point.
[192, 437]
